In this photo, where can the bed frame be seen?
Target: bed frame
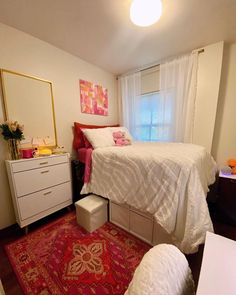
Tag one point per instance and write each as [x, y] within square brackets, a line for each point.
[139, 224]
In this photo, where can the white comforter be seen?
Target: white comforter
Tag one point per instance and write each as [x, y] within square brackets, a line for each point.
[167, 180]
[163, 270]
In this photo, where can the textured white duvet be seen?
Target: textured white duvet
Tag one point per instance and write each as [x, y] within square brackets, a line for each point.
[168, 180]
[163, 270]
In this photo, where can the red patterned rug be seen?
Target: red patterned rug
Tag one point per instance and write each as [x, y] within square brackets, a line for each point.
[62, 258]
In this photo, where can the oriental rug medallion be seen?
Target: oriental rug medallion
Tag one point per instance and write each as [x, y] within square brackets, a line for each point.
[62, 258]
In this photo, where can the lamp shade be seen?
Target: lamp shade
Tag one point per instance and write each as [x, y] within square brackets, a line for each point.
[144, 13]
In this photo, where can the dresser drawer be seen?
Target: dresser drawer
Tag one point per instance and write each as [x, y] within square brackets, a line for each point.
[30, 181]
[22, 165]
[35, 203]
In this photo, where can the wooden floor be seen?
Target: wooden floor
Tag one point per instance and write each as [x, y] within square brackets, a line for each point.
[12, 233]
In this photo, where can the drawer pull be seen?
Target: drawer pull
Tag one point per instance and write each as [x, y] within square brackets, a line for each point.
[46, 171]
[43, 163]
[233, 180]
[47, 193]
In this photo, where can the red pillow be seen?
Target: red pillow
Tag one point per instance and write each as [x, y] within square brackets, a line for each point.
[78, 141]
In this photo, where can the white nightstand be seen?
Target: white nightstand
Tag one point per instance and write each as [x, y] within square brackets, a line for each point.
[39, 186]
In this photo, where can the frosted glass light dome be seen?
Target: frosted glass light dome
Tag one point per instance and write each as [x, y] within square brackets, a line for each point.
[144, 13]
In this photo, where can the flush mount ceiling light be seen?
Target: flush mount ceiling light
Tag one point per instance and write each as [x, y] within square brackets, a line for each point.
[145, 13]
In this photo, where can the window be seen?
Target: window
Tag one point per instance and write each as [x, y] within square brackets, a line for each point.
[153, 118]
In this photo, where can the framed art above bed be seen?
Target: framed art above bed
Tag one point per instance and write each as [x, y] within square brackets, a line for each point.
[93, 98]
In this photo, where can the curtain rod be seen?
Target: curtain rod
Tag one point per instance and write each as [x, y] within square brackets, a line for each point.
[138, 70]
[200, 51]
[156, 65]
[148, 68]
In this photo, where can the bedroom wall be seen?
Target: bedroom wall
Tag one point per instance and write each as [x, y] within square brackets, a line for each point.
[208, 84]
[224, 141]
[23, 53]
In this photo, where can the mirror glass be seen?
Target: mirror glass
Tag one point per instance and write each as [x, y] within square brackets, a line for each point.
[29, 101]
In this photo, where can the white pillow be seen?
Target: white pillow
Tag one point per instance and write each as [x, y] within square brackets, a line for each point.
[100, 137]
[123, 129]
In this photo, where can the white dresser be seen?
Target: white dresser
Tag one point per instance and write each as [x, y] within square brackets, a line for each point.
[39, 186]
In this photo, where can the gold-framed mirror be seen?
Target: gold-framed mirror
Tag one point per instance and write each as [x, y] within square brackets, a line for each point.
[29, 100]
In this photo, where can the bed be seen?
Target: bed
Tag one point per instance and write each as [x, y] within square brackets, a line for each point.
[157, 184]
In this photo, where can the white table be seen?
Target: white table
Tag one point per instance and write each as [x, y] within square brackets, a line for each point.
[218, 271]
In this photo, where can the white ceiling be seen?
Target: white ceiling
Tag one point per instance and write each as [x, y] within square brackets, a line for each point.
[101, 32]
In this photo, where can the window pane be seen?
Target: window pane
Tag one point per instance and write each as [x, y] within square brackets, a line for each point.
[145, 115]
[163, 133]
[154, 118]
[154, 134]
[143, 133]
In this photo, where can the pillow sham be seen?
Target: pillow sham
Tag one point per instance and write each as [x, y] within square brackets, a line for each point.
[78, 141]
[99, 137]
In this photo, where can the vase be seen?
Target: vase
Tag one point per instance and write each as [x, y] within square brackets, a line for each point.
[13, 149]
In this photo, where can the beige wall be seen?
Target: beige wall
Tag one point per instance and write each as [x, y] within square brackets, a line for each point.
[208, 84]
[224, 142]
[23, 53]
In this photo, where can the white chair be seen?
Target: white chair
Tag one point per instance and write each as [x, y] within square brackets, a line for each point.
[163, 270]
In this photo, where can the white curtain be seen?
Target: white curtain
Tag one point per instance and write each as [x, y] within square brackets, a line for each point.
[178, 84]
[130, 89]
[172, 108]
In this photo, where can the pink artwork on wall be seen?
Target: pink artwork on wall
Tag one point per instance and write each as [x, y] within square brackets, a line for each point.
[93, 99]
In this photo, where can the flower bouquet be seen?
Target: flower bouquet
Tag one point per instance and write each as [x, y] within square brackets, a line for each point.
[12, 132]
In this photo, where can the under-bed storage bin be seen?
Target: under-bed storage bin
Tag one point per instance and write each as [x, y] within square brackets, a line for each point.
[91, 212]
[137, 223]
[141, 225]
[119, 215]
[160, 235]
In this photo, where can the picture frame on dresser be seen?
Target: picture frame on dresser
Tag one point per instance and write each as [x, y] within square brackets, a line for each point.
[39, 186]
